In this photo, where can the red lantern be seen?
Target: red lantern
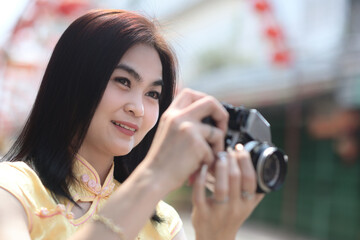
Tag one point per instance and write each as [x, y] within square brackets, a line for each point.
[281, 57]
[261, 6]
[273, 32]
[67, 7]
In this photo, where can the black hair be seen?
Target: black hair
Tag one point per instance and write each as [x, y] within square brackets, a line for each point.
[72, 87]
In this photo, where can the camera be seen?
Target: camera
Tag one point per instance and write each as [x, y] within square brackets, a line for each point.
[250, 128]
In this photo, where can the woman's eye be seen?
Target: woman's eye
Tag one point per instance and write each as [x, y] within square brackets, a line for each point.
[154, 95]
[124, 81]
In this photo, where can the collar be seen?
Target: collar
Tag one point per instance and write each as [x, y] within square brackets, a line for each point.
[87, 186]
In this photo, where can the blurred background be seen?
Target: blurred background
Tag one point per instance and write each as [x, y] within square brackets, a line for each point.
[296, 61]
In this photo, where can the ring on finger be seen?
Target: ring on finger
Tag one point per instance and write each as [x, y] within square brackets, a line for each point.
[247, 195]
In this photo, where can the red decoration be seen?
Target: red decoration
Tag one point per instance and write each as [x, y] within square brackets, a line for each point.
[67, 7]
[273, 32]
[261, 6]
[281, 57]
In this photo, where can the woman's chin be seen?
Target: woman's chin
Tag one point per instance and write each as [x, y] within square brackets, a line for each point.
[122, 151]
[119, 154]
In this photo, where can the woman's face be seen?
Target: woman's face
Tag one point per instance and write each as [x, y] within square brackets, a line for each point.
[129, 108]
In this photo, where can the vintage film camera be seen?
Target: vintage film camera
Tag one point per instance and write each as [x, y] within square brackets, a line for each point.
[250, 128]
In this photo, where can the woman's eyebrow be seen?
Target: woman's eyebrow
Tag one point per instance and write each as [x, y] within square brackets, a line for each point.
[136, 75]
[130, 70]
[159, 82]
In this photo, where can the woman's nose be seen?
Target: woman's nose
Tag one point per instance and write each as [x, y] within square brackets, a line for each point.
[135, 107]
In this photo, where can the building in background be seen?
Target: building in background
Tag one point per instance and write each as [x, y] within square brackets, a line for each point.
[295, 60]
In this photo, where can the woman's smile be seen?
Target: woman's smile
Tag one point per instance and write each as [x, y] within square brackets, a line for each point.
[127, 128]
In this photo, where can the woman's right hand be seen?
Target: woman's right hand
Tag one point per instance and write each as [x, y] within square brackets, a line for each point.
[182, 142]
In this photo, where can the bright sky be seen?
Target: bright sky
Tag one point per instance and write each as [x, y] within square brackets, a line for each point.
[9, 12]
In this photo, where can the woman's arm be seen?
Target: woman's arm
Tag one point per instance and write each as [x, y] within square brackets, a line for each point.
[13, 218]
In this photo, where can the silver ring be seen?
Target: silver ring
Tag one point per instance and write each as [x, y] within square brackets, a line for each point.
[246, 195]
[223, 201]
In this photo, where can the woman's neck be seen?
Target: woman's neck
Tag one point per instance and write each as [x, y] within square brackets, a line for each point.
[100, 162]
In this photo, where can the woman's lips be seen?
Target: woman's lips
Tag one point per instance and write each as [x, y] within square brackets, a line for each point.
[127, 128]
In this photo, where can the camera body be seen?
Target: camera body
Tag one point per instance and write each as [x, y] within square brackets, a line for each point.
[250, 128]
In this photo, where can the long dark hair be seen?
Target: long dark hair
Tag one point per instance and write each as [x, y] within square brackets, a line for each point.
[72, 87]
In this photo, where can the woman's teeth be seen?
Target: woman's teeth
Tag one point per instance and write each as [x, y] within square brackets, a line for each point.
[124, 126]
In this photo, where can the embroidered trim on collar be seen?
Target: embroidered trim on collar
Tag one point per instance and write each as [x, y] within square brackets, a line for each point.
[90, 187]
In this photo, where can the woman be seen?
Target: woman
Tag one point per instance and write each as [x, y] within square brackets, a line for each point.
[109, 80]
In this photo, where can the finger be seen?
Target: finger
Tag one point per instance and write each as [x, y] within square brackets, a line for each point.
[202, 150]
[213, 136]
[234, 177]
[208, 156]
[248, 176]
[210, 182]
[199, 195]
[222, 180]
[210, 178]
[209, 107]
[186, 97]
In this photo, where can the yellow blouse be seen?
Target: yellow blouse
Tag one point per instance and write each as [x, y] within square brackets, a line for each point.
[49, 219]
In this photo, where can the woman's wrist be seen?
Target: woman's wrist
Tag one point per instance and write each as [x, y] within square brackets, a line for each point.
[161, 179]
[152, 179]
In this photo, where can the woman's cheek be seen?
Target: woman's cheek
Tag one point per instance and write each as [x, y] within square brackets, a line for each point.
[152, 114]
[150, 119]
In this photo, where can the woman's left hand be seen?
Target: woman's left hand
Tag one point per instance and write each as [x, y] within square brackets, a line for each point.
[234, 197]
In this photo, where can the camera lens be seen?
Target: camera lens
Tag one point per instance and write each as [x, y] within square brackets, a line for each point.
[271, 170]
[270, 165]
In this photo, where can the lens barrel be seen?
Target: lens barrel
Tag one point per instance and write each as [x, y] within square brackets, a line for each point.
[270, 164]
